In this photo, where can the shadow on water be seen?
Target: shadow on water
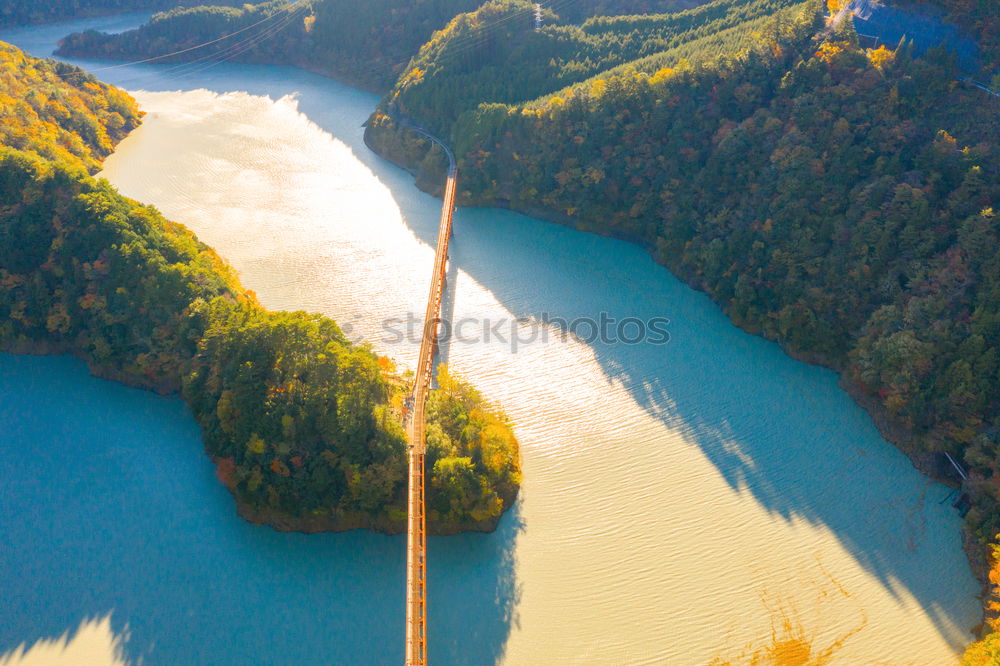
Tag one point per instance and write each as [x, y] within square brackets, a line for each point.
[110, 507]
[778, 430]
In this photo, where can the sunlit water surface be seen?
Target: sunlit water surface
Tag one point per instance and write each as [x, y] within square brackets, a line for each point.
[705, 499]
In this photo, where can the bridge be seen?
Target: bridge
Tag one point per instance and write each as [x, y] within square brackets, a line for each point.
[416, 524]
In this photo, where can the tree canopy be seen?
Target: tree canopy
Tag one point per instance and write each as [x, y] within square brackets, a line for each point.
[60, 112]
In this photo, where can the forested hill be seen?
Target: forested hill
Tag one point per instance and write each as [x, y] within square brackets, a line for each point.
[304, 426]
[24, 12]
[839, 199]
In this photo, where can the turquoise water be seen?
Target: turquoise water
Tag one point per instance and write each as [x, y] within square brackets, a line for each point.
[681, 502]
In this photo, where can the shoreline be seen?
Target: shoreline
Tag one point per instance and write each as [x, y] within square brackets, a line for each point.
[276, 520]
[318, 523]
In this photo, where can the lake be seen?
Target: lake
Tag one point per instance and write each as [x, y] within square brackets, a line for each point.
[704, 499]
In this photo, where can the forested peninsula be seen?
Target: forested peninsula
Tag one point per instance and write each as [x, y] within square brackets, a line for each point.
[24, 12]
[304, 426]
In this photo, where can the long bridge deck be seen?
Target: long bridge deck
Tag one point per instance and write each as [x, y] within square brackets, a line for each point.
[416, 529]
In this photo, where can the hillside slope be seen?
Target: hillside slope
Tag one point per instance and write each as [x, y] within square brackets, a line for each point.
[60, 113]
[495, 55]
[837, 199]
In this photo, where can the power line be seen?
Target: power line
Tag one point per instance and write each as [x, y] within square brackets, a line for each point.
[198, 46]
[281, 15]
[284, 16]
[234, 50]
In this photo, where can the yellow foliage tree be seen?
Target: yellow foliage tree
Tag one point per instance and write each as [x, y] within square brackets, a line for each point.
[881, 57]
[827, 50]
[986, 652]
[662, 75]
